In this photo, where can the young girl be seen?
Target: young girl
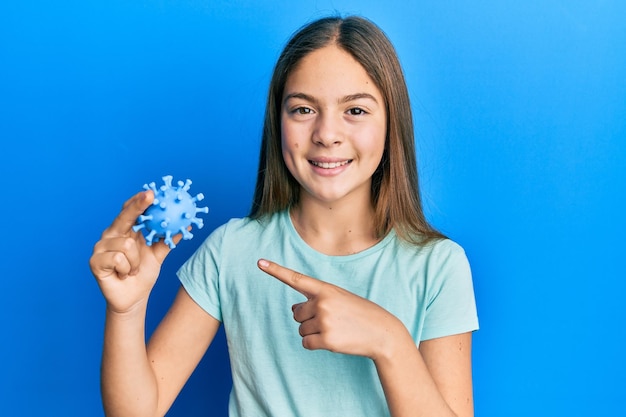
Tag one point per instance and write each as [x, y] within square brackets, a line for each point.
[337, 297]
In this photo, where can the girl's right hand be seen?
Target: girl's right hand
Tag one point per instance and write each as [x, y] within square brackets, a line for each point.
[124, 266]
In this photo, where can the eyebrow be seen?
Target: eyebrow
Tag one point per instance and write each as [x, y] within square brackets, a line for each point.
[358, 96]
[345, 99]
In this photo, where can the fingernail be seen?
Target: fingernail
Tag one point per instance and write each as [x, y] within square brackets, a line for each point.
[263, 263]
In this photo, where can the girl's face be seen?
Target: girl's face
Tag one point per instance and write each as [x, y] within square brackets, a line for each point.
[333, 125]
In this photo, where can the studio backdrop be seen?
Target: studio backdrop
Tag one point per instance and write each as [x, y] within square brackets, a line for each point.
[520, 111]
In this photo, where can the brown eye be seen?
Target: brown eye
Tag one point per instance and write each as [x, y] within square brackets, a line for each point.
[356, 111]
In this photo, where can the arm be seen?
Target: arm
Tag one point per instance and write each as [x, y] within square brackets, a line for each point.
[144, 381]
[434, 380]
[140, 381]
[177, 346]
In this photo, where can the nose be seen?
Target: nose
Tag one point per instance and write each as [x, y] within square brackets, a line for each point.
[327, 130]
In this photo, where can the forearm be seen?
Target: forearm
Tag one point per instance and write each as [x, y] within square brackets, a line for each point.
[127, 380]
[409, 387]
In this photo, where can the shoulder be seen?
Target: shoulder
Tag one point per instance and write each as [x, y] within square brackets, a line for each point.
[448, 268]
[441, 262]
[237, 227]
[450, 302]
[438, 251]
[224, 245]
[448, 259]
[241, 233]
[446, 250]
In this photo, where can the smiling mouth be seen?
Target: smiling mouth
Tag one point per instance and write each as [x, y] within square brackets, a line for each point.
[330, 165]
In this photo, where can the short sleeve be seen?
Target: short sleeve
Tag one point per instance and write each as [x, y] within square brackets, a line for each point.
[451, 305]
[199, 275]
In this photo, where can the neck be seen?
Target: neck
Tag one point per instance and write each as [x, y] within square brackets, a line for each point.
[338, 229]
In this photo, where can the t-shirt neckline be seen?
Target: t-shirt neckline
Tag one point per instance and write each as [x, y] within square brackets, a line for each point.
[295, 236]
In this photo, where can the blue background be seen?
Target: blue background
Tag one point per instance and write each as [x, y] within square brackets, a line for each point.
[520, 110]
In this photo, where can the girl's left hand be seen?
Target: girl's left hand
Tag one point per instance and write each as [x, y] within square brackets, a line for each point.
[338, 320]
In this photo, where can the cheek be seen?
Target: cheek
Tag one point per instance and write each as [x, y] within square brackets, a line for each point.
[288, 154]
[375, 144]
[286, 136]
[291, 141]
[375, 150]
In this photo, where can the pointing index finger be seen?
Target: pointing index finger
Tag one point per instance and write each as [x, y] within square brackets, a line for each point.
[305, 285]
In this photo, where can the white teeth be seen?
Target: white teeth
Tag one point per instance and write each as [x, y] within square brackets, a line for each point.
[329, 165]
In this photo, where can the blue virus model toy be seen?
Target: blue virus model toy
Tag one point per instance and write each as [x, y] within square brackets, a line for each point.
[172, 212]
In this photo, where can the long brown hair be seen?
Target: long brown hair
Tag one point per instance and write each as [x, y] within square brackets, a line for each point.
[395, 188]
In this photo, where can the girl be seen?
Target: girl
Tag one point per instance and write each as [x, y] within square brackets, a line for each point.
[372, 312]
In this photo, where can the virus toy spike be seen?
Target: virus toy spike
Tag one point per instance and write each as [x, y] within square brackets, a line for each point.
[172, 212]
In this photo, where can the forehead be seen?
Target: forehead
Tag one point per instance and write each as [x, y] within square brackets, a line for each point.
[330, 71]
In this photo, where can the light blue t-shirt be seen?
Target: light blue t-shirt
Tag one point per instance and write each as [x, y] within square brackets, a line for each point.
[428, 288]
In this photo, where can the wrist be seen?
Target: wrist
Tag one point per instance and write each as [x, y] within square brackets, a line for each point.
[136, 311]
[396, 344]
